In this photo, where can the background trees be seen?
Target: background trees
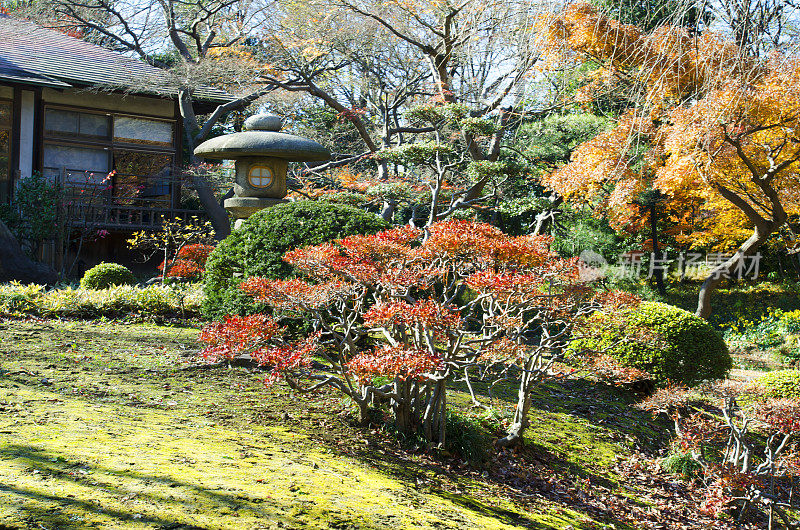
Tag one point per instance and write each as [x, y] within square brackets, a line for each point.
[472, 108]
[712, 127]
[473, 54]
[471, 58]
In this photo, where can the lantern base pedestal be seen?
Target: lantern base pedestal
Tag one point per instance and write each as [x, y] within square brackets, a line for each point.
[244, 207]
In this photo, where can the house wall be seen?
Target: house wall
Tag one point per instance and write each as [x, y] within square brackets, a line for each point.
[162, 108]
[27, 138]
[26, 160]
[31, 143]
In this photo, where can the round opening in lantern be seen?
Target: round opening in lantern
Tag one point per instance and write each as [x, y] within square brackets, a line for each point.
[260, 177]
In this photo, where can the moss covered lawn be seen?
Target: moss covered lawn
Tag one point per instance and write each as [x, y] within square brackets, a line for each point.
[108, 425]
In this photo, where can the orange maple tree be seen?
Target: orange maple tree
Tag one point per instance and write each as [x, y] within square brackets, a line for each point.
[714, 130]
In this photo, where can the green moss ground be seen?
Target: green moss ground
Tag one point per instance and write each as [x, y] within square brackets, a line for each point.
[100, 427]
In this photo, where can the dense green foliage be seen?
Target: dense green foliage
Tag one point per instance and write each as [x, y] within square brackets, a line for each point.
[549, 142]
[539, 147]
[468, 436]
[775, 332]
[258, 246]
[581, 231]
[32, 216]
[649, 14]
[106, 275]
[781, 384]
[791, 321]
[745, 304]
[670, 344]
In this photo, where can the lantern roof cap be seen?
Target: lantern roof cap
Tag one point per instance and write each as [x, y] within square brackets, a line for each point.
[261, 138]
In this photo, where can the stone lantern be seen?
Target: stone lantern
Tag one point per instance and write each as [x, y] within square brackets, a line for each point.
[262, 154]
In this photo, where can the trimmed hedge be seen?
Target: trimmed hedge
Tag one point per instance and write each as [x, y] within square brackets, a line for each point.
[107, 275]
[782, 384]
[119, 301]
[682, 348]
[258, 246]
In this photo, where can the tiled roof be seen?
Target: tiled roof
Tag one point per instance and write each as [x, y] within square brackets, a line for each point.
[31, 54]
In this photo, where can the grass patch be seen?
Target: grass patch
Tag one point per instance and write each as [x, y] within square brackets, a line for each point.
[107, 425]
[681, 464]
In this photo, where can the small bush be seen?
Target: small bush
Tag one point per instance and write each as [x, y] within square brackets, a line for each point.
[789, 351]
[258, 246]
[683, 464]
[782, 384]
[467, 436]
[776, 332]
[767, 333]
[106, 275]
[18, 299]
[673, 346]
[791, 320]
[189, 263]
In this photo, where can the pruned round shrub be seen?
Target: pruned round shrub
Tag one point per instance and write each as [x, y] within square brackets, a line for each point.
[670, 344]
[257, 248]
[106, 275]
[781, 384]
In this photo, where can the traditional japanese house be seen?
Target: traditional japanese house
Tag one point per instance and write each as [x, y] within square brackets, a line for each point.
[104, 126]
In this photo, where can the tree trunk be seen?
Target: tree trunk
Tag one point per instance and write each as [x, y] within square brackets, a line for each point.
[363, 413]
[402, 414]
[761, 232]
[15, 265]
[216, 212]
[387, 212]
[658, 272]
[520, 421]
[546, 218]
[386, 143]
[435, 417]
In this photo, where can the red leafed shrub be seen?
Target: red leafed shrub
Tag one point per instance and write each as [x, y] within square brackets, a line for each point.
[427, 313]
[189, 263]
[198, 253]
[261, 337]
[393, 361]
[224, 340]
[183, 269]
[781, 415]
[747, 448]
[406, 289]
[287, 357]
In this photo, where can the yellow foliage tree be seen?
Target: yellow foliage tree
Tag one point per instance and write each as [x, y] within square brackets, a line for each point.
[715, 130]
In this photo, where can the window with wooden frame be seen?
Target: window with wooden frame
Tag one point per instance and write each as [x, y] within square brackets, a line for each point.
[126, 158]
